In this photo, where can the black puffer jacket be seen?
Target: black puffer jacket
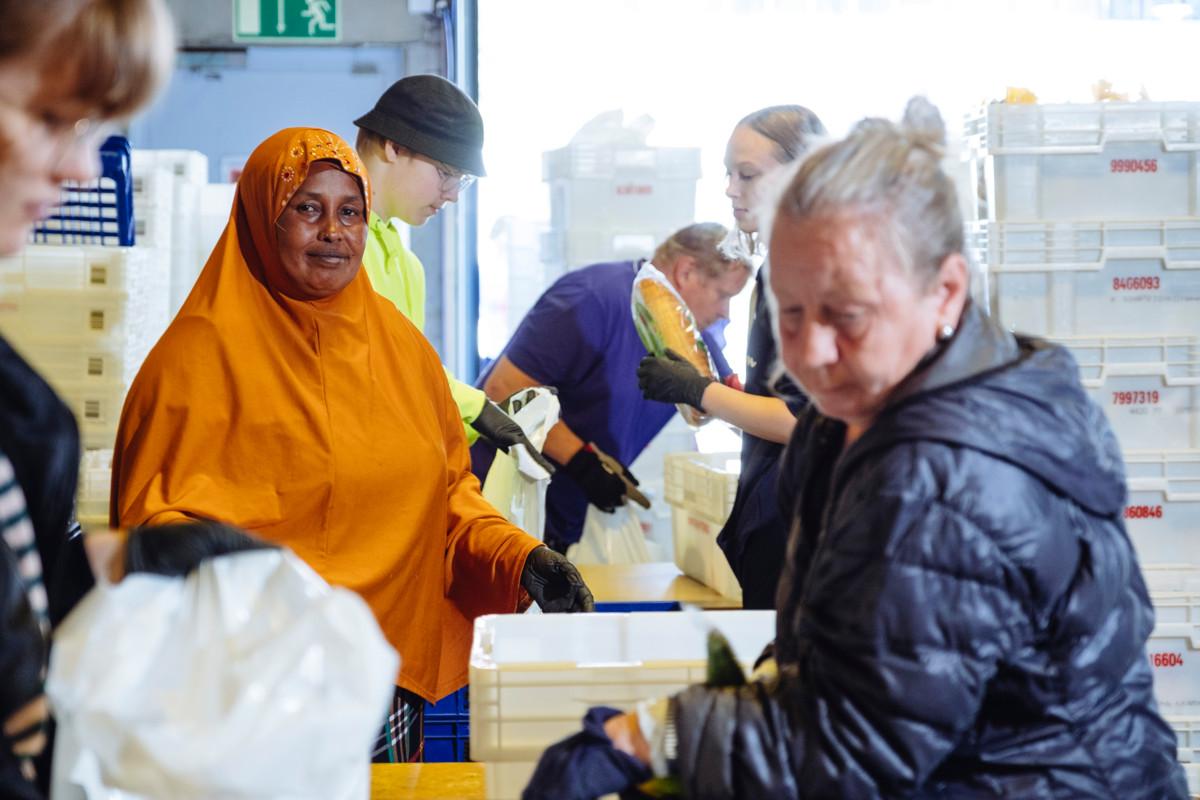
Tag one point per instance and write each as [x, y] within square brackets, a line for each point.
[962, 614]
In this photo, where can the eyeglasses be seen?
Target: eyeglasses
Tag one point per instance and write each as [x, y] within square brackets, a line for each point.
[452, 179]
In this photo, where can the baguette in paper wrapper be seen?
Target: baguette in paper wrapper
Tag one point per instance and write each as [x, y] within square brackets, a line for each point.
[664, 322]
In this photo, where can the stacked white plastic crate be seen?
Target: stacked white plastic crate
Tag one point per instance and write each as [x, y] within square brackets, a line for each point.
[611, 201]
[534, 676]
[84, 317]
[167, 187]
[1088, 224]
[700, 488]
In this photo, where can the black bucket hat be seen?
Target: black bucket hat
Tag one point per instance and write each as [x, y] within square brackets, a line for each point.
[431, 116]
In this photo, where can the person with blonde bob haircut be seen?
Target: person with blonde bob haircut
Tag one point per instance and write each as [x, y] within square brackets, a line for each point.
[961, 613]
[68, 68]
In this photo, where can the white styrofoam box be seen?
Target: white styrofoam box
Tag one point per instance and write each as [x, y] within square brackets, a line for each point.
[1162, 513]
[533, 677]
[1149, 387]
[1092, 278]
[190, 166]
[1174, 652]
[95, 475]
[1193, 779]
[701, 488]
[1105, 161]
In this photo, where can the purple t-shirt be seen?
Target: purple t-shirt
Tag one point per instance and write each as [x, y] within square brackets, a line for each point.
[579, 338]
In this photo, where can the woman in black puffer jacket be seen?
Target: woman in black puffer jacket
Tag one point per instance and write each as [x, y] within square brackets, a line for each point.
[962, 613]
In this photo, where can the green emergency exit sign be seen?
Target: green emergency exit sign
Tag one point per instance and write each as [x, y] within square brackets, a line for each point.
[269, 21]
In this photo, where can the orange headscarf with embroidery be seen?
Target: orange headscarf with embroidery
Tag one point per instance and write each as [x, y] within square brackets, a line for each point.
[326, 426]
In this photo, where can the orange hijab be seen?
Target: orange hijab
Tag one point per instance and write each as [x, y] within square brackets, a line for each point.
[326, 426]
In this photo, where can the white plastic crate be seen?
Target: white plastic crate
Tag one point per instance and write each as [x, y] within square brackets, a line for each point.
[126, 269]
[97, 408]
[706, 483]
[95, 475]
[615, 162]
[1171, 578]
[1162, 514]
[1092, 278]
[1149, 387]
[534, 676]
[190, 166]
[39, 315]
[1187, 737]
[505, 780]
[1174, 653]
[74, 361]
[1104, 161]
[153, 226]
[700, 487]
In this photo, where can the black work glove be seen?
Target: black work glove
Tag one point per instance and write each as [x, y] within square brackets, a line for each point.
[502, 430]
[585, 765]
[672, 380]
[554, 583]
[178, 548]
[604, 490]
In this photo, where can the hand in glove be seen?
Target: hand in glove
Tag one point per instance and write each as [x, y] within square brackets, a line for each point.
[604, 490]
[554, 583]
[503, 431]
[672, 380]
[585, 765]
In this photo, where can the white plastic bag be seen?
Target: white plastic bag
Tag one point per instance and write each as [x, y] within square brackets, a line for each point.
[614, 538]
[251, 678]
[517, 486]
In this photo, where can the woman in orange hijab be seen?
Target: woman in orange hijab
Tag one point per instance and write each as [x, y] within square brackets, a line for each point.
[289, 399]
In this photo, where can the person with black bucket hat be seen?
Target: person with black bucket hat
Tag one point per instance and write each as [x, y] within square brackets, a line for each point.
[422, 146]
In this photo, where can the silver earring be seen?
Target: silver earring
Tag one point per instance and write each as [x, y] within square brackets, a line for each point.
[945, 333]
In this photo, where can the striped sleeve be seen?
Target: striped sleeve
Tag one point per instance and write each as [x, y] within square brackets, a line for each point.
[17, 531]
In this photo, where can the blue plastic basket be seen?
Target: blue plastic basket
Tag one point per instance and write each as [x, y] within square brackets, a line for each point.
[447, 728]
[100, 212]
[642, 605]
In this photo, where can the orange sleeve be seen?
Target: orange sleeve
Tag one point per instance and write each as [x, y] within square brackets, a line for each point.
[485, 553]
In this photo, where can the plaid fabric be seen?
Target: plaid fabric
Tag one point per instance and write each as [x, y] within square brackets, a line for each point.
[402, 739]
[17, 530]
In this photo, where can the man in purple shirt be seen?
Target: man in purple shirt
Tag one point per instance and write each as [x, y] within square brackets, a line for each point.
[580, 339]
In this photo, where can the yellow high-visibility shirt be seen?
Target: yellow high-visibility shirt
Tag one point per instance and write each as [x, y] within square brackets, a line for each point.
[397, 274]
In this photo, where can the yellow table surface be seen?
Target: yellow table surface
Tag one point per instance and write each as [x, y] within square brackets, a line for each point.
[427, 781]
[628, 583]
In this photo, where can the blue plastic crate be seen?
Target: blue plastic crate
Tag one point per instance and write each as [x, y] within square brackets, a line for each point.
[454, 705]
[447, 728]
[646, 605]
[97, 213]
[447, 740]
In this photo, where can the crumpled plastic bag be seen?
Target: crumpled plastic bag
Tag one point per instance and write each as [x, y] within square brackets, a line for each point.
[664, 322]
[517, 486]
[252, 677]
[615, 538]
